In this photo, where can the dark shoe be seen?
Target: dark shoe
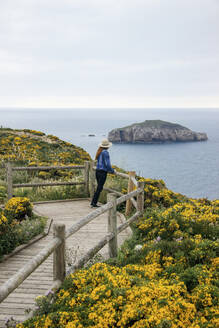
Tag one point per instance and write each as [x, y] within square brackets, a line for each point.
[94, 205]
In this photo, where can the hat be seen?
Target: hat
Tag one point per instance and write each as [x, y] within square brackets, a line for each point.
[105, 143]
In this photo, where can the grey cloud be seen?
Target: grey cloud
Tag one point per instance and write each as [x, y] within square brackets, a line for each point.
[123, 47]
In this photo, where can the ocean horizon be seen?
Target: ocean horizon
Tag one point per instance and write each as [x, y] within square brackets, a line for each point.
[189, 168]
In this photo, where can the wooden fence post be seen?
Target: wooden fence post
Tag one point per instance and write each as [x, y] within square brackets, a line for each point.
[112, 225]
[130, 188]
[92, 179]
[140, 197]
[86, 178]
[59, 253]
[9, 180]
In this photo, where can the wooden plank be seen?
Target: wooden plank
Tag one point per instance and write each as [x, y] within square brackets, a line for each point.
[46, 168]
[112, 226]
[87, 219]
[19, 317]
[128, 222]
[122, 199]
[9, 180]
[17, 305]
[134, 181]
[21, 300]
[31, 291]
[59, 253]
[131, 186]
[140, 197]
[123, 175]
[113, 191]
[23, 273]
[14, 311]
[34, 283]
[86, 178]
[48, 184]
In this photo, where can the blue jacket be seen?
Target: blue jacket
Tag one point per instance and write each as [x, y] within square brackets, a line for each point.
[103, 162]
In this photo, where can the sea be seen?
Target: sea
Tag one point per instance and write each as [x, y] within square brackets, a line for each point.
[189, 168]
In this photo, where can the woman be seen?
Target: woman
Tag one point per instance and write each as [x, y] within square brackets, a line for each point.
[103, 166]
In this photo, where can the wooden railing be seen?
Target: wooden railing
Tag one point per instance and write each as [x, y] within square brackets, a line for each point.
[57, 245]
[10, 169]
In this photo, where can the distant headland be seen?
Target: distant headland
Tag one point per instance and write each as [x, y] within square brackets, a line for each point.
[154, 131]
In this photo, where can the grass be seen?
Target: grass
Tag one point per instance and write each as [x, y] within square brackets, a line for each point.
[159, 124]
[30, 228]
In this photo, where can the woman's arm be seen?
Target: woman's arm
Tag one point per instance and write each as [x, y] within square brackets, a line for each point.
[107, 163]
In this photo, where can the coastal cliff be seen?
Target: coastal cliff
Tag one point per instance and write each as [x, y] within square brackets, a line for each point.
[154, 131]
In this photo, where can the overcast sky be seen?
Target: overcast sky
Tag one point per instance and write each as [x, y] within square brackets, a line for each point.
[109, 53]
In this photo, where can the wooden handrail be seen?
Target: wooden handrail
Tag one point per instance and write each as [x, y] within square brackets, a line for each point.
[134, 180]
[47, 168]
[87, 256]
[128, 196]
[47, 184]
[92, 251]
[120, 174]
[87, 219]
[113, 191]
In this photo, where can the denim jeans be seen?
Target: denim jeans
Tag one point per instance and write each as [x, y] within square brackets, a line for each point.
[101, 178]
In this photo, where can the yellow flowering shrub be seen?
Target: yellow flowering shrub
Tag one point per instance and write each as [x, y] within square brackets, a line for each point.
[3, 219]
[29, 146]
[181, 220]
[38, 133]
[108, 296]
[156, 194]
[170, 281]
[17, 208]
[18, 224]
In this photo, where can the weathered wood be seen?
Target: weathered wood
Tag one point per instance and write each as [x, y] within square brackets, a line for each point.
[46, 168]
[113, 191]
[92, 178]
[24, 272]
[140, 197]
[86, 178]
[120, 194]
[134, 203]
[130, 189]
[59, 253]
[112, 225]
[135, 182]
[127, 196]
[59, 201]
[9, 180]
[92, 251]
[87, 219]
[128, 222]
[56, 284]
[122, 175]
[49, 184]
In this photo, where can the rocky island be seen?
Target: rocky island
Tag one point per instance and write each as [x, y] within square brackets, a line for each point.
[154, 131]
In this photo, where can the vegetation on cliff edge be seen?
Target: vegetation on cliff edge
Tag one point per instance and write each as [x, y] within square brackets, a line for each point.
[34, 148]
[166, 275]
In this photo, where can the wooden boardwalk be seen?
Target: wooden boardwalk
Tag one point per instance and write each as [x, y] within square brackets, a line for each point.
[40, 281]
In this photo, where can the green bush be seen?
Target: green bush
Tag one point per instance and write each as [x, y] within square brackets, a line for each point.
[18, 224]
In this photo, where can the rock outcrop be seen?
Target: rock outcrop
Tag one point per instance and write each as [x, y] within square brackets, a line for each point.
[154, 131]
